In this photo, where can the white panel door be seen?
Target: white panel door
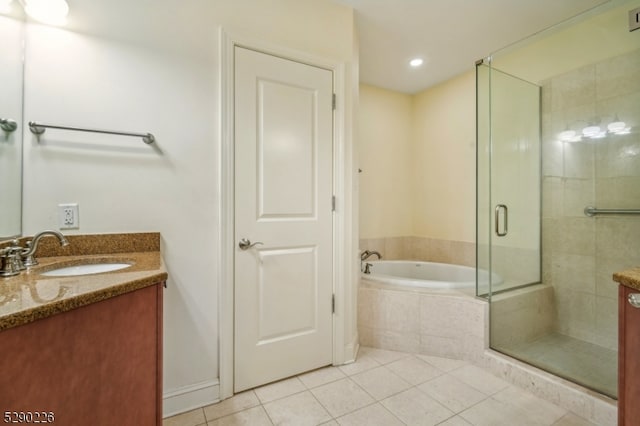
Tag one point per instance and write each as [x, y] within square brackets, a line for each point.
[283, 190]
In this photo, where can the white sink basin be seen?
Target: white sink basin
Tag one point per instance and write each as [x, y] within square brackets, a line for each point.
[88, 269]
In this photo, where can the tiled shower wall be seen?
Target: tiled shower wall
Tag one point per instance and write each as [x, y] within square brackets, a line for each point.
[581, 253]
[423, 249]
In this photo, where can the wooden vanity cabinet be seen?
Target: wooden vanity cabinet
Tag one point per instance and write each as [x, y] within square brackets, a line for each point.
[100, 364]
[628, 359]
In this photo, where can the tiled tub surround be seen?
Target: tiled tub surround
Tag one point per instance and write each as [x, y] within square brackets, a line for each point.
[30, 296]
[455, 325]
[422, 248]
[443, 323]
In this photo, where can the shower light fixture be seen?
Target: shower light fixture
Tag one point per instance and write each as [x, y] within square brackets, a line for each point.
[594, 131]
[618, 127]
[569, 136]
[416, 62]
[52, 12]
[591, 131]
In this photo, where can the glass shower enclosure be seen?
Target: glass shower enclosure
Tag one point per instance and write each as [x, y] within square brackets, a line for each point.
[558, 134]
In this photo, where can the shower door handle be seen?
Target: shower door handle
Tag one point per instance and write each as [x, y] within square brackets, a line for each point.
[504, 208]
[634, 300]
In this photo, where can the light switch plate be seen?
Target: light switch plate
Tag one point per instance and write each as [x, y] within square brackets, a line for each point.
[634, 19]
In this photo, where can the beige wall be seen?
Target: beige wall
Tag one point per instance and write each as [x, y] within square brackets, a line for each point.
[417, 155]
[443, 160]
[386, 181]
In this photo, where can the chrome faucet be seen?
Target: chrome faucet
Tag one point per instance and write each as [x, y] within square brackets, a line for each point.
[364, 256]
[15, 258]
[28, 258]
[11, 260]
[368, 253]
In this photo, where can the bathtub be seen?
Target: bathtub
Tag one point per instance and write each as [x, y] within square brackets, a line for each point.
[422, 307]
[428, 275]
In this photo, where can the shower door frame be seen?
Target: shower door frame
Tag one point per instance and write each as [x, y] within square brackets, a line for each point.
[492, 221]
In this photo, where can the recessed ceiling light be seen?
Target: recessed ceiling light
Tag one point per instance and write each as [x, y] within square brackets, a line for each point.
[416, 62]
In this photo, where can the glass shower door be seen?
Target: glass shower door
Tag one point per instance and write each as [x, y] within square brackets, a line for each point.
[509, 210]
[508, 181]
[515, 182]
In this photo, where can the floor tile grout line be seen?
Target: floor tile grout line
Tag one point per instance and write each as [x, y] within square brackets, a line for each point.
[326, 383]
[267, 413]
[366, 406]
[322, 405]
[234, 411]
[448, 418]
[283, 397]
[459, 413]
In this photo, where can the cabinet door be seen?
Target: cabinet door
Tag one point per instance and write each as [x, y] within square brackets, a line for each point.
[629, 360]
[95, 365]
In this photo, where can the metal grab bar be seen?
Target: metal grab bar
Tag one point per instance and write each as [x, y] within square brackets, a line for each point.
[39, 128]
[592, 211]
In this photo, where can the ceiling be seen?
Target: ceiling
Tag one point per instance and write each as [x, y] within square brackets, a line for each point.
[450, 35]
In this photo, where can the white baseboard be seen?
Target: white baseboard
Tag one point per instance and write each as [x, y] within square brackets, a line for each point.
[190, 397]
[351, 352]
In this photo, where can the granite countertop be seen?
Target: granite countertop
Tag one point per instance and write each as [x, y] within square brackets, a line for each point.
[31, 296]
[628, 278]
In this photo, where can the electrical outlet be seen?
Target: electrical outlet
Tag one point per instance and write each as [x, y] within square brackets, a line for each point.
[68, 216]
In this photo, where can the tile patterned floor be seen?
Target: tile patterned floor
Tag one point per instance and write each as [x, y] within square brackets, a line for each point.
[385, 388]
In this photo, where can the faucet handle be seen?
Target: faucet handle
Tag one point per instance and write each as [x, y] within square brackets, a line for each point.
[364, 255]
[28, 258]
[10, 260]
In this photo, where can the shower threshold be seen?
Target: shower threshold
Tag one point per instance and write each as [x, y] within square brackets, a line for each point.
[589, 365]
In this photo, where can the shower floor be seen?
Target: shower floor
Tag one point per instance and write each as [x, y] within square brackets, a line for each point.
[590, 365]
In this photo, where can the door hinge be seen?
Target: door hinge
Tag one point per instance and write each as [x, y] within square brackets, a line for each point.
[333, 303]
[333, 203]
[333, 101]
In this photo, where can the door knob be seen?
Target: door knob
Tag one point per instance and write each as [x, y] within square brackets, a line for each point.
[246, 244]
[634, 300]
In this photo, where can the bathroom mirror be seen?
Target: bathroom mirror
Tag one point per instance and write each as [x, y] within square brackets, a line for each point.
[11, 122]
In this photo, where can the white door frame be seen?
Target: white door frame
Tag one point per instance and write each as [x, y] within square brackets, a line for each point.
[344, 268]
